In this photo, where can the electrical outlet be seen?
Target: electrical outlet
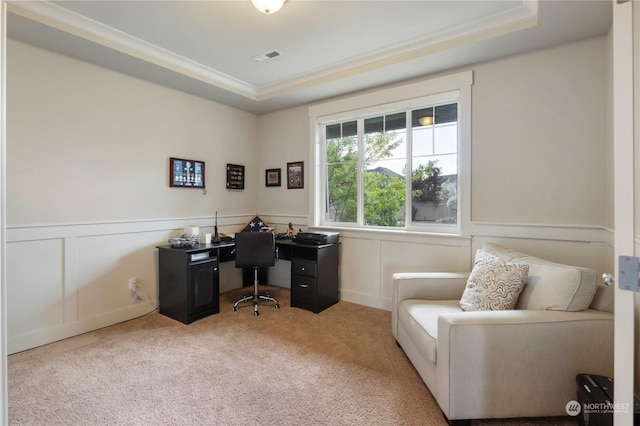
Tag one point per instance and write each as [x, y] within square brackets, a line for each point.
[133, 287]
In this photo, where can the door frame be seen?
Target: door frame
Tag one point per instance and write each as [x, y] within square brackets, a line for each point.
[624, 206]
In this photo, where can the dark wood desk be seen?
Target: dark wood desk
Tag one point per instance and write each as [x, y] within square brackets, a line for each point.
[189, 278]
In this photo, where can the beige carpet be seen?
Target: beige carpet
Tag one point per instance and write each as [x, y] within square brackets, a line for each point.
[285, 367]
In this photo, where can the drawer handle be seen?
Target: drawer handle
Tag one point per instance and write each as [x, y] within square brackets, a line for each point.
[303, 268]
[303, 285]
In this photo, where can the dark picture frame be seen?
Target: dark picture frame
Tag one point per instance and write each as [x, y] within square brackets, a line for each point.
[272, 177]
[185, 173]
[235, 176]
[295, 175]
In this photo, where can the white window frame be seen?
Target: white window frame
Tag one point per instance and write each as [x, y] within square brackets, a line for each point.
[447, 88]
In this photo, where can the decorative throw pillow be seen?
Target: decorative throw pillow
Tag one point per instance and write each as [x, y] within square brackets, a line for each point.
[493, 285]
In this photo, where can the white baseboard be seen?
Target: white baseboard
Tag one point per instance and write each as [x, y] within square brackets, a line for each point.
[44, 336]
[365, 299]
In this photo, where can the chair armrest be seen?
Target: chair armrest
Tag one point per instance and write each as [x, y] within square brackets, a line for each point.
[514, 355]
[425, 285]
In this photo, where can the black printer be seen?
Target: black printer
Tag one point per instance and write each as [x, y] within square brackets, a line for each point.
[317, 237]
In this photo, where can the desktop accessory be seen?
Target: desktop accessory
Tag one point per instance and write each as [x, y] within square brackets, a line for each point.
[216, 236]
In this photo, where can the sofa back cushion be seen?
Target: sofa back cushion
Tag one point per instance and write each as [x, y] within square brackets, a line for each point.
[550, 285]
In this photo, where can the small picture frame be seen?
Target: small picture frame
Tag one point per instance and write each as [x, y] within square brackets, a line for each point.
[295, 175]
[272, 177]
[235, 176]
[185, 173]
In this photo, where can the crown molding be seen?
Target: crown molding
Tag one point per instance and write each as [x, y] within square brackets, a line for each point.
[55, 16]
[68, 21]
[521, 17]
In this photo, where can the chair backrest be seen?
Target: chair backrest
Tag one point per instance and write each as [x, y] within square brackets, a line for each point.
[255, 249]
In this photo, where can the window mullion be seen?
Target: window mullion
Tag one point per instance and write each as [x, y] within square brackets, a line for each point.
[324, 182]
[361, 171]
[408, 168]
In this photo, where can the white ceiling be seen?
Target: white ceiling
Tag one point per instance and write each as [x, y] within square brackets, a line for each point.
[328, 48]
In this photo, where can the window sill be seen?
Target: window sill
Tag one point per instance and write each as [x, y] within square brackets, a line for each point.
[400, 235]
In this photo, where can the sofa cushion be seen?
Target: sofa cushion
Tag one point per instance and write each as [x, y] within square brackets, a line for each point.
[420, 318]
[493, 284]
[550, 285]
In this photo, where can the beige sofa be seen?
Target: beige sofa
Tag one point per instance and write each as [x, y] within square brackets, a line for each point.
[505, 363]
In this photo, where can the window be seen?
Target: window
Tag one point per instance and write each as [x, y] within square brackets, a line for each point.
[384, 147]
[401, 164]
[434, 164]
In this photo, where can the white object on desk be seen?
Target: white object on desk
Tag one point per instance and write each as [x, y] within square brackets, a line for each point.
[192, 230]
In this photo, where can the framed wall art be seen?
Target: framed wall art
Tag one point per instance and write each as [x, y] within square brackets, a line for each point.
[272, 177]
[235, 176]
[186, 173]
[295, 175]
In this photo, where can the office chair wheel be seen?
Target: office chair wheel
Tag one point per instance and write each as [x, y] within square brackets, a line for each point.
[256, 313]
[277, 306]
[235, 309]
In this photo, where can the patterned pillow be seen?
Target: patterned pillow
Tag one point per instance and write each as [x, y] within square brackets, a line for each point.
[493, 285]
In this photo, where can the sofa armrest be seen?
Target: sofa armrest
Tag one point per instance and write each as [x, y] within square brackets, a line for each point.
[429, 285]
[425, 285]
[520, 358]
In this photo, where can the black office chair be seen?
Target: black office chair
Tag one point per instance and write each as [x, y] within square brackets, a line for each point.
[255, 250]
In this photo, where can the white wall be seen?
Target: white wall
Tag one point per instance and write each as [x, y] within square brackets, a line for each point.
[539, 137]
[540, 154]
[103, 141]
[284, 138]
[88, 196]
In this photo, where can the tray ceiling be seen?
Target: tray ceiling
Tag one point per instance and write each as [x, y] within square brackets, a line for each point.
[310, 50]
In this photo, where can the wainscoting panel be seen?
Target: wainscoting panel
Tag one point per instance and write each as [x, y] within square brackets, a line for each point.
[35, 290]
[360, 264]
[64, 280]
[369, 258]
[420, 257]
[597, 255]
[105, 263]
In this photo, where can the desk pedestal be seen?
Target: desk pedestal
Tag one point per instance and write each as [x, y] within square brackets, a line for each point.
[315, 278]
[189, 281]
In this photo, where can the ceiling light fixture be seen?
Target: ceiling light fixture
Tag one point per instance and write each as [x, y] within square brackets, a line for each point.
[425, 121]
[268, 6]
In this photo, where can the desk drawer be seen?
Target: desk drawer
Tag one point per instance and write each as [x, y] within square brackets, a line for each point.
[302, 267]
[303, 290]
[227, 254]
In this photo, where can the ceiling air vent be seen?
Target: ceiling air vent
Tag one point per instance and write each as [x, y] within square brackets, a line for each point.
[267, 56]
